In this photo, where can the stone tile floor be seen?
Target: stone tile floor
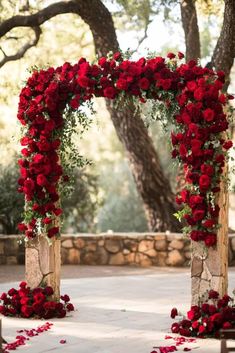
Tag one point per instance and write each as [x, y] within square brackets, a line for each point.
[119, 310]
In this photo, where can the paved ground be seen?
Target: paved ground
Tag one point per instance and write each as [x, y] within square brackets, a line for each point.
[119, 310]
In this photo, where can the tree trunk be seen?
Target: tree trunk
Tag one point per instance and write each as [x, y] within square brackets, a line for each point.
[152, 185]
[224, 52]
[191, 31]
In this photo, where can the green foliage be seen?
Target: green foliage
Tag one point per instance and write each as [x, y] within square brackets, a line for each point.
[11, 202]
[80, 208]
[122, 210]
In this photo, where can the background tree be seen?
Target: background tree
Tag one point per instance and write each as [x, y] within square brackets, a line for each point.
[131, 15]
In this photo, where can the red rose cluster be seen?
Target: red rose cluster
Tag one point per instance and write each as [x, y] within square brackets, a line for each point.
[26, 302]
[207, 319]
[198, 140]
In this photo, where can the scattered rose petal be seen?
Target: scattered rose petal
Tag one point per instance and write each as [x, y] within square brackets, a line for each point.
[62, 341]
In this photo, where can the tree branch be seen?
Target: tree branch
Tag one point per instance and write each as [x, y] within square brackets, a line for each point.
[94, 19]
[191, 30]
[21, 52]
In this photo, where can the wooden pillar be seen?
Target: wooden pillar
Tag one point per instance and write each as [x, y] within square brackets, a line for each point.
[43, 263]
[209, 266]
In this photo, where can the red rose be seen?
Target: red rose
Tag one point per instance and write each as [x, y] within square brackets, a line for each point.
[48, 291]
[185, 332]
[122, 84]
[208, 223]
[208, 115]
[52, 231]
[180, 55]
[175, 328]
[65, 298]
[70, 307]
[204, 182]
[196, 147]
[47, 220]
[117, 55]
[213, 294]
[57, 211]
[144, 83]
[55, 144]
[207, 169]
[212, 308]
[210, 239]
[198, 215]
[22, 284]
[42, 180]
[195, 325]
[110, 92]
[174, 313]
[22, 227]
[26, 310]
[198, 94]
[171, 55]
[227, 145]
[202, 329]
[227, 325]
[195, 200]
[183, 150]
[29, 185]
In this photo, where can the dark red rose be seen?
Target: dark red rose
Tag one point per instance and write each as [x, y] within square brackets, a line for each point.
[122, 84]
[52, 231]
[22, 227]
[198, 215]
[65, 298]
[227, 145]
[42, 180]
[175, 327]
[171, 55]
[144, 83]
[207, 169]
[210, 239]
[47, 220]
[117, 55]
[185, 332]
[12, 291]
[208, 223]
[48, 291]
[208, 115]
[70, 307]
[110, 92]
[204, 182]
[227, 325]
[212, 294]
[174, 313]
[180, 55]
[195, 325]
[26, 310]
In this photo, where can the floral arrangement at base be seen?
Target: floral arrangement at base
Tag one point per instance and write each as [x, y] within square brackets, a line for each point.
[206, 319]
[27, 302]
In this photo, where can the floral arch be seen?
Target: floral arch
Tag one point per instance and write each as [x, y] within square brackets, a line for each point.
[195, 108]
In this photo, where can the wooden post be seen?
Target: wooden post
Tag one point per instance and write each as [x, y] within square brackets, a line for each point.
[209, 266]
[43, 263]
[1, 339]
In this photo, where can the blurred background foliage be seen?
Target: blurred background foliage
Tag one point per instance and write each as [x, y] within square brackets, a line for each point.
[105, 197]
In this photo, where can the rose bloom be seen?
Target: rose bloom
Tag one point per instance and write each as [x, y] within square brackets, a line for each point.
[174, 313]
[204, 182]
[175, 328]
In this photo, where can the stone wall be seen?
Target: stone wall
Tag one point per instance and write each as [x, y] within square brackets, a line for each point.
[141, 249]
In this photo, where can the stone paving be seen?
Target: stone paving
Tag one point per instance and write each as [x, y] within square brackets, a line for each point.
[119, 310]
